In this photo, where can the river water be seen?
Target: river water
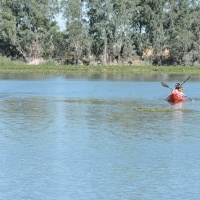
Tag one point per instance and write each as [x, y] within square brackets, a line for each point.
[98, 137]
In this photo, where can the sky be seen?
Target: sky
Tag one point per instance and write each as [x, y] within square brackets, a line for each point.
[61, 22]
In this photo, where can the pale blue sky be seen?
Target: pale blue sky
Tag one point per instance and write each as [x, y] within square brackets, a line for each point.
[61, 22]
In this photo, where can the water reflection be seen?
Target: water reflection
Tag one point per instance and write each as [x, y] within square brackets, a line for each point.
[29, 115]
[103, 77]
[176, 104]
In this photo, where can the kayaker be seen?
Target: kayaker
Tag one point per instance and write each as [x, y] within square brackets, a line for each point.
[178, 88]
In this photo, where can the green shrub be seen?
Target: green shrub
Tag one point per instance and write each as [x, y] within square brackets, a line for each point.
[5, 61]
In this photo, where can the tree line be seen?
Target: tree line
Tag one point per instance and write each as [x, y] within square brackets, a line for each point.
[102, 31]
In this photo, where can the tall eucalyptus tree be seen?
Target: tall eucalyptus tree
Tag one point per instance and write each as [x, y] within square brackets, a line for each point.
[99, 14]
[75, 33]
[7, 30]
[123, 12]
[148, 25]
[183, 21]
[29, 25]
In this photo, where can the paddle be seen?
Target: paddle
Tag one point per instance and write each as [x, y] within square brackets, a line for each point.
[185, 80]
[188, 98]
[182, 84]
[165, 85]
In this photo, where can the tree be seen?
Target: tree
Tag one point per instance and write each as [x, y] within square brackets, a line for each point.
[149, 29]
[183, 28]
[99, 23]
[75, 33]
[109, 27]
[123, 12]
[31, 25]
[7, 31]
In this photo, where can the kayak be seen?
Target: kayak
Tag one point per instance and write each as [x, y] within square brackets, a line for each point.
[174, 96]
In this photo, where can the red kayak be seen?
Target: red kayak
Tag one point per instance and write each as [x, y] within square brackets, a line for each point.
[174, 96]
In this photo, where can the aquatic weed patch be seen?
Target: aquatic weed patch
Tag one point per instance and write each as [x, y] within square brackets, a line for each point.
[82, 101]
[161, 109]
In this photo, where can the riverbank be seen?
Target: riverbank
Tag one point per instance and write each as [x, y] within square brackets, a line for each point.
[71, 69]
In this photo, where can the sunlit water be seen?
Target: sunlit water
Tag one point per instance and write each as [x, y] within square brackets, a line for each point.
[98, 137]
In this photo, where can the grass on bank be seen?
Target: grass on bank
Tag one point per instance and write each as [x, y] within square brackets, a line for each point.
[8, 66]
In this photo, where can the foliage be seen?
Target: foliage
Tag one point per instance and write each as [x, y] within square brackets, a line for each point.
[27, 28]
[184, 28]
[102, 31]
[7, 62]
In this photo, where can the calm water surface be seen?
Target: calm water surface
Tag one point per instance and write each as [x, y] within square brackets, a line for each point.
[84, 137]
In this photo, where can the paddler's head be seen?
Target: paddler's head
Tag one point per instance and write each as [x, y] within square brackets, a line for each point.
[177, 86]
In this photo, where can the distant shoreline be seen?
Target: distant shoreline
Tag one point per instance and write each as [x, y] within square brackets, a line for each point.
[73, 69]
